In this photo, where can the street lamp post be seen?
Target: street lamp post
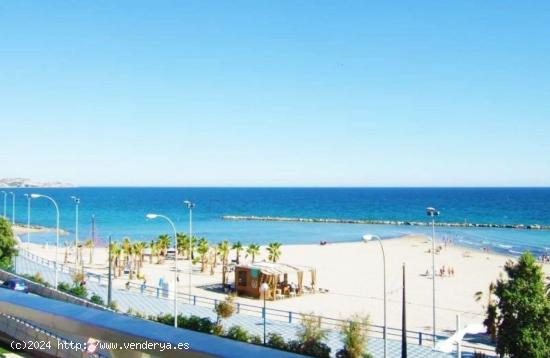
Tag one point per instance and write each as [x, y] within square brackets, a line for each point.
[110, 281]
[5, 200]
[264, 287]
[76, 201]
[431, 212]
[35, 196]
[369, 238]
[12, 207]
[190, 206]
[154, 216]
[28, 220]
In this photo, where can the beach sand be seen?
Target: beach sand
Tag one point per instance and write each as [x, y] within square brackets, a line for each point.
[20, 230]
[352, 273]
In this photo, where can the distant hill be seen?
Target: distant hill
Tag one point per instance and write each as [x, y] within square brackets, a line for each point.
[28, 183]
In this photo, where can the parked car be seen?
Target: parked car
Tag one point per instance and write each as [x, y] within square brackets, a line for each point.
[16, 285]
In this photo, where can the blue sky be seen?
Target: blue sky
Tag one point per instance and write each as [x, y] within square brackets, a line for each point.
[276, 93]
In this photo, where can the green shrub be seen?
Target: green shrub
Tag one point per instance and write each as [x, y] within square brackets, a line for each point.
[218, 330]
[195, 323]
[113, 305]
[37, 277]
[168, 319]
[238, 333]
[7, 244]
[78, 291]
[310, 348]
[256, 339]
[97, 300]
[343, 353]
[277, 341]
[354, 337]
[226, 308]
[63, 286]
[310, 329]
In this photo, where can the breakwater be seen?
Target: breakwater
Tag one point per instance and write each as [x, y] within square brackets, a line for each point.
[385, 222]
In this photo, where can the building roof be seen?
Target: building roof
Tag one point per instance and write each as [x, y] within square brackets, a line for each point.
[275, 268]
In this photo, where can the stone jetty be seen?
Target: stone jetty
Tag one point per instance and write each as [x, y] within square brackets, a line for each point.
[385, 222]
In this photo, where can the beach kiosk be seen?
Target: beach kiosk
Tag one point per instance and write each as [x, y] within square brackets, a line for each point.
[284, 280]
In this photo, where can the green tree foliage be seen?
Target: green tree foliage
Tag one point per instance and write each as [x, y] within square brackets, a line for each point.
[310, 338]
[238, 247]
[7, 244]
[354, 337]
[238, 333]
[274, 251]
[75, 290]
[98, 300]
[490, 310]
[275, 340]
[253, 250]
[523, 328]
[203, 249]
[223, 250]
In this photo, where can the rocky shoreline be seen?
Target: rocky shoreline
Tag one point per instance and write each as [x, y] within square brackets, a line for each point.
[385, 222]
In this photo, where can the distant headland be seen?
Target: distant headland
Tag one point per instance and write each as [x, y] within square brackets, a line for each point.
[29, 183]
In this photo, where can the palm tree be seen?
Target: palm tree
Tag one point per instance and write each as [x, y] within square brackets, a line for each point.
[238, 247]
[131, 262]
[183, 243]
[203, 249]
[138, 251]
[274, 250]
[253, 250]
[110, 257]
[126, 243]
[89, 244]
[224, 248]
[163, 243]
[114, 249]
[491, 310]
[154, 252]
[117, 253]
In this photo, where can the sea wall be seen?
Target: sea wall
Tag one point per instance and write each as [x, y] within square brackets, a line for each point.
[385, 222]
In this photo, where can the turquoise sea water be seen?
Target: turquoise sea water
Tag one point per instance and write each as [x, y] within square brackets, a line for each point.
[121, 212]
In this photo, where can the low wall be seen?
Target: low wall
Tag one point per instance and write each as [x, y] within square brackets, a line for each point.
[44, 291]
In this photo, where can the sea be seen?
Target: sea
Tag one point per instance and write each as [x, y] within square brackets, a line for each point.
[120, 212]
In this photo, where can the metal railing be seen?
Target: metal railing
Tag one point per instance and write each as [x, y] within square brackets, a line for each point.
[151, 300]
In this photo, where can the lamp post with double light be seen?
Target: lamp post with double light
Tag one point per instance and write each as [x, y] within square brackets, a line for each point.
[152, 217]
[431, 212]
[5, 202]
[36, 196]
[12, 207]
[264, 288]
[367, 238]
[28, 220]
[190, 206]
[76, 202]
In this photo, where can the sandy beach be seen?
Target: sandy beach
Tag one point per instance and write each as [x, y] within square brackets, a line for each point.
[352, 274]
[20, 230]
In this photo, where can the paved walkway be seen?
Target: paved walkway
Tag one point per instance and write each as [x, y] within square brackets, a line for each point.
[152, 305]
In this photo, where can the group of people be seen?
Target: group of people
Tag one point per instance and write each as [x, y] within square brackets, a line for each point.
[544, 259]
[449, 270]
[443, 271]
